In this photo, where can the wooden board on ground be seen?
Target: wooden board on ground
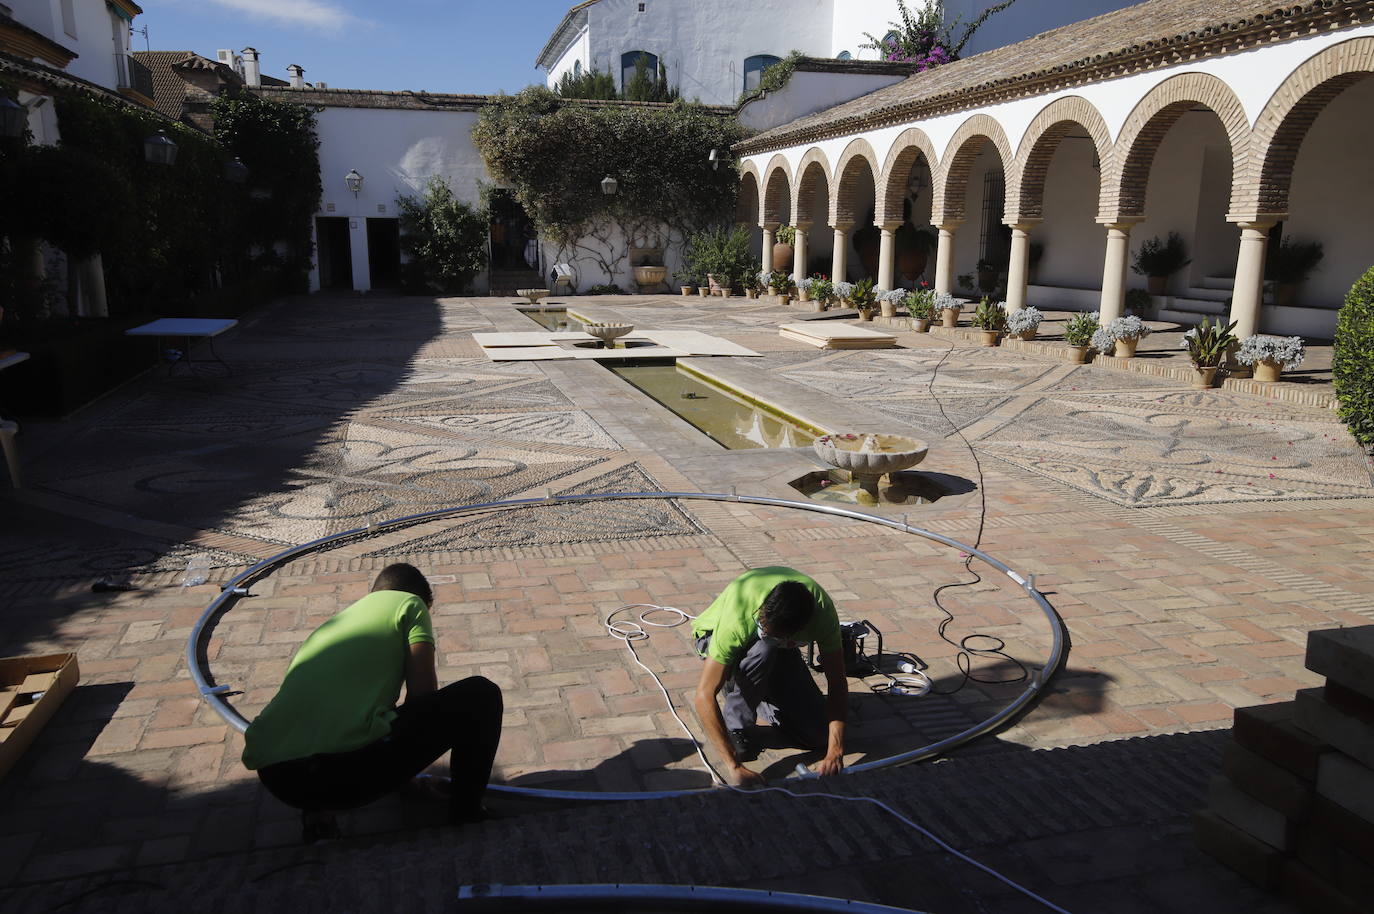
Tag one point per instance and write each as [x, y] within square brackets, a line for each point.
[837, 336]
[52, 677]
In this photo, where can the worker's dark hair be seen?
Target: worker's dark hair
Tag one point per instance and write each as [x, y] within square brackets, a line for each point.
[406, 579]
[786, 609]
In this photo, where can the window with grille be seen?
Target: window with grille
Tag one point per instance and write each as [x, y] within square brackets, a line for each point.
[754, 67]
[629, 59]
[992, 244]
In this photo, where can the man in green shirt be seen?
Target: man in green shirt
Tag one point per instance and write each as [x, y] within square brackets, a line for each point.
[750, 638]
[333, 737]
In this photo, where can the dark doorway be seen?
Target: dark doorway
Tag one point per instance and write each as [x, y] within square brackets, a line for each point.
[335, 252]
[384, 252]
[512, 234]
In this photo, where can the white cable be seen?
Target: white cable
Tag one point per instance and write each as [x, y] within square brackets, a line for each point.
[632, 631]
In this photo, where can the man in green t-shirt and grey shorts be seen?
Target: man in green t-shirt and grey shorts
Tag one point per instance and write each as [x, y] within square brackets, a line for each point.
[750, 639]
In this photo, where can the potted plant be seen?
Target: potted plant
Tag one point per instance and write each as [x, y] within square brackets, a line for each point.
[1078, 333]
[863, 297]
[1207, 345]
[687, 281]
[888, 302]
[1271, 355]
[920, 307]
[987, 276]
[804, 288]
[783, 250]
[991, 319]
[822, 292]
[844, 291]
[1024, 322]
[1158, 260]
[781, 285]
[1140, 303]
[1121, 334]
[1289, 266]
[948, 308]
[913, 250]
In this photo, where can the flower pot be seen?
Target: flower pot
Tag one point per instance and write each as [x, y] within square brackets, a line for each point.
[1028, 334]
[949, 317]
[1157, 285]
[920, 324]
[750, 293]
[1204, 376]
[704, 291]
[1078, 355]
[803, 295]
[688, 290]
[1267, 371]
[782, 257]
[865, 314]
[1125, 349]
[990, 336]
[819, 305]
[784, 300]
[648, 277]
[887, 308]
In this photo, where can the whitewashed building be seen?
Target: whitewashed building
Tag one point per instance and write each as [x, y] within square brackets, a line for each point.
[1231, 123]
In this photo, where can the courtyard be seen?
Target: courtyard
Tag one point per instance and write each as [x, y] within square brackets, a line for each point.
[1189, 539]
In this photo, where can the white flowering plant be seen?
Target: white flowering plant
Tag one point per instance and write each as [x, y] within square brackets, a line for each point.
[1287, 351]
[1129, 327]
[896, 296]
[946, 302]
[844, 289]
[1023, 320]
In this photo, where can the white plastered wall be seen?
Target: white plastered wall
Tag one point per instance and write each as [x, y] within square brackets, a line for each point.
[577, 51]
[853, 18]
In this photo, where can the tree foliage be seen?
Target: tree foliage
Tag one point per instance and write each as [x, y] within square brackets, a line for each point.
[444, 238]
[554, 154]
[1352, 362]
[773, 77]
[646, 86]
[592, 84]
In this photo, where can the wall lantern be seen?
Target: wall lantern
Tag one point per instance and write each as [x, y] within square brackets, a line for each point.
[714, 159]
[353, 181]
[13, 118]
[235, 172]
[609, 186]
[159, 149]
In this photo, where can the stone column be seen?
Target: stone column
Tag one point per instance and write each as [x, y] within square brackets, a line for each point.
[1113, 301]
[887, 254]
[944, 256]
[839, 263]
[799, 252]
[767, 260]
[1249, 288]
[1018, 268]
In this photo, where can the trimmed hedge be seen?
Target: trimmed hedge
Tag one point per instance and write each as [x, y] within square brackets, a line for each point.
[1353, 361]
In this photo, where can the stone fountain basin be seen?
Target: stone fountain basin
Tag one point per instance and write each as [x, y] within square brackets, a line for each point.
[533, 294]
[870, 454]
[607, 332]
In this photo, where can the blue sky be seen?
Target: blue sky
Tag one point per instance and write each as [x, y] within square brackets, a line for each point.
[476, 46]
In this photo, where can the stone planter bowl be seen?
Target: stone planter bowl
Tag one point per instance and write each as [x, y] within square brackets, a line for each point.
[648, 277]
[607, 333]
[533, 294]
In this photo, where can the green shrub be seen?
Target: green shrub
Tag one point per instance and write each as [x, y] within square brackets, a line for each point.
[1352, 364]
[445, 239]
[605, 289]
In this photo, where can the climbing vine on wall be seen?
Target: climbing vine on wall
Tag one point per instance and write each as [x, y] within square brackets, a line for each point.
[554, 153]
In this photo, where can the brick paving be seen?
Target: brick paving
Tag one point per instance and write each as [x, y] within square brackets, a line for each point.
[1178, 612]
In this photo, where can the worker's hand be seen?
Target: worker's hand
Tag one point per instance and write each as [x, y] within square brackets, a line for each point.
[831, 764]
[746, 779]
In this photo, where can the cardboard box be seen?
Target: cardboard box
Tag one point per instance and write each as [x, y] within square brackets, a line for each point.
[52, 678]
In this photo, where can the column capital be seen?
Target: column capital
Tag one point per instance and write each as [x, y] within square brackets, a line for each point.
[1023, 225]
[889, 227]
[843, 226]
[802, 226]
[1120, 223]
[1262, 222]
[948, 225]
[769, 226]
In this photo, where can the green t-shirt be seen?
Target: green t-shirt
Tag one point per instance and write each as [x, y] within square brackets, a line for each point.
[340, 690]
[733, 618]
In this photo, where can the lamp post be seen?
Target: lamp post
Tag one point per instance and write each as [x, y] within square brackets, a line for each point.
[714, 159]
[609, 186]
[159, 149]
[13, 118]
[353, 181]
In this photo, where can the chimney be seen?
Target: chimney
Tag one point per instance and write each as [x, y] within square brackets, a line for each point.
[297, 74]
[251, 74]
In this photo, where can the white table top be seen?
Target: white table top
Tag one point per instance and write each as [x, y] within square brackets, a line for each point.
[14, 358]
[183, 326]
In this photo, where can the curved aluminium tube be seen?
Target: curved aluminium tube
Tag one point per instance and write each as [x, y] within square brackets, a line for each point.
[612, 896]
[237, 587]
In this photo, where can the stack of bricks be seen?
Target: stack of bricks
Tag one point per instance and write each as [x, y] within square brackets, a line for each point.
[1293, 809]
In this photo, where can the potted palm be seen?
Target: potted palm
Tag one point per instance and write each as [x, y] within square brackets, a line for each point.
[991, 319]
[1207, 345]
[864, 299]
[948, 307]
[1120, 334]
[1271, 355]
[1078, 333]
[1289, 266]
[1024, 322]
[1158, 260]
[920, 307]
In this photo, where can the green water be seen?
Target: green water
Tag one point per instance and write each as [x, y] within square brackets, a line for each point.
[554, 319]
[729, 421]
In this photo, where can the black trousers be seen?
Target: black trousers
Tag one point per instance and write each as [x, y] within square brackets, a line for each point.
[773, 681]
[464, 717]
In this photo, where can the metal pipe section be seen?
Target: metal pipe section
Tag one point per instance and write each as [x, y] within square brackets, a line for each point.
[617, 897]
[214, 693]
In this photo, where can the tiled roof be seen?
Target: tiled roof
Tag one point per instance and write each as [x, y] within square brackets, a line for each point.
[558, 33]
[169, 89]
[36, 74]
[1149, 35]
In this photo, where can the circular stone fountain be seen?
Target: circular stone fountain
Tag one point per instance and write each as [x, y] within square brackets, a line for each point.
[607, 333]
[869, 457]
[533, 294]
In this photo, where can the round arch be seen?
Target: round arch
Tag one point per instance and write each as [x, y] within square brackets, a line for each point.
[857, 159]
[910, 146]
[1026, 180]
[747, 203]
[812, 171]
[960, 153]
[777, 191]
[1124, 179]
[1281, 126]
